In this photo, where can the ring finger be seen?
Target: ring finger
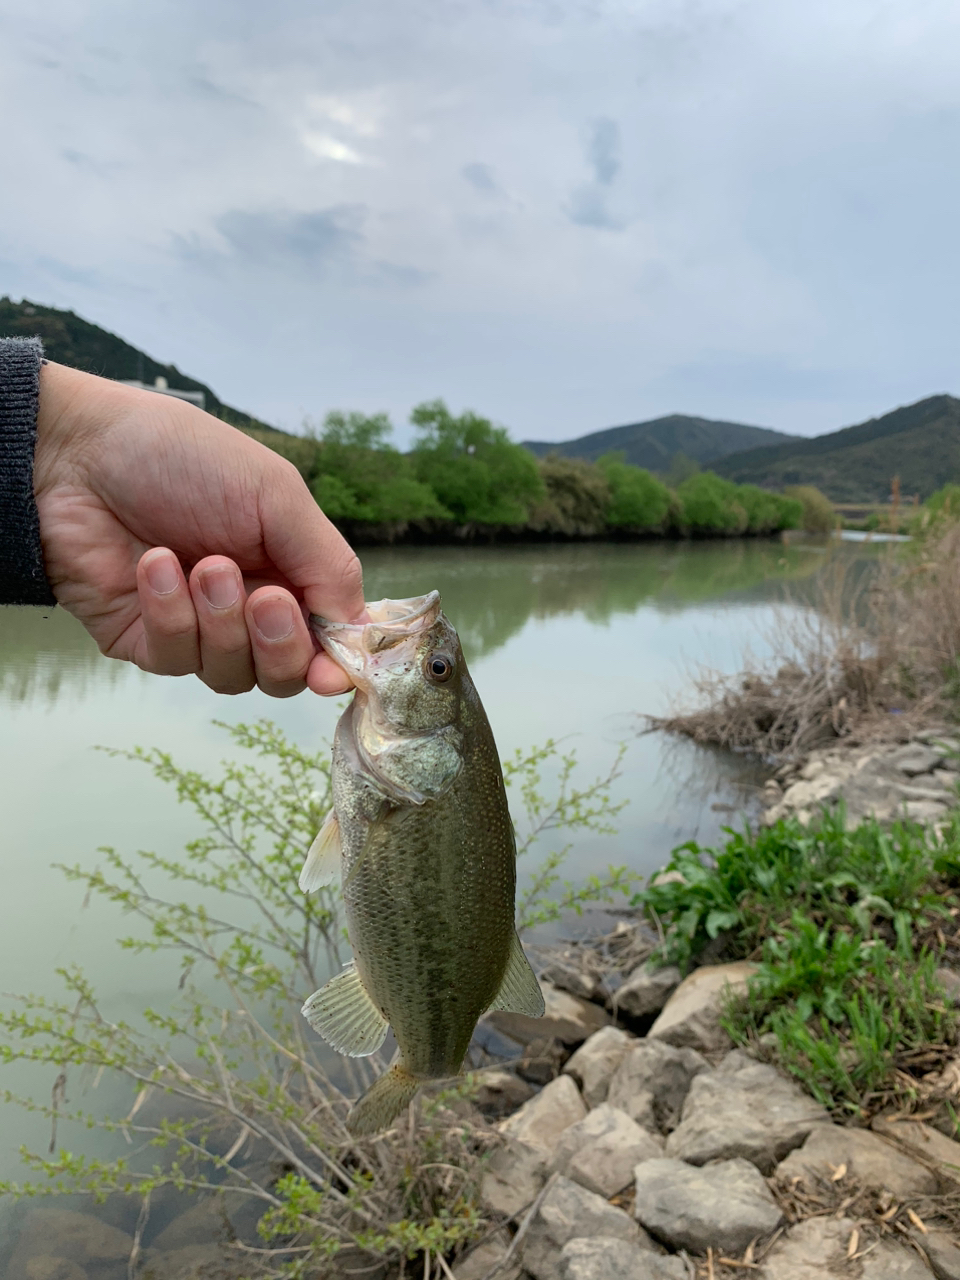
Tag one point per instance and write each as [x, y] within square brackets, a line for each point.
[226, 664]
[281, 644]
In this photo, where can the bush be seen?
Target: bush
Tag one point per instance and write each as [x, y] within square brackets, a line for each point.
[769, 512]
[638, 500]
[472, 467]
[576, 498]
[818, 513]
[709, 504]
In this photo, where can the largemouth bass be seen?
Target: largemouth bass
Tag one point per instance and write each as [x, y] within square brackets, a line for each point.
[422, 839]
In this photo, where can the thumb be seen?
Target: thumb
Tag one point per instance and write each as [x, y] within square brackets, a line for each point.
[308, 550]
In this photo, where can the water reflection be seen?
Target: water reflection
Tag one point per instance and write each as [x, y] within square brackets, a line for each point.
[42, 651]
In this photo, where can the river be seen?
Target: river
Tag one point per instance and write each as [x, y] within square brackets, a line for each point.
[569, 642]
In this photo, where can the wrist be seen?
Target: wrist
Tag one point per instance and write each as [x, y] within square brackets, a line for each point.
[73, 409]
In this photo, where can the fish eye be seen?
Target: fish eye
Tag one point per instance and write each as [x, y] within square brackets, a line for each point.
[438, 668]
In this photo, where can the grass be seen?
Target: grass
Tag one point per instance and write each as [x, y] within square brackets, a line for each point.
[847, 929]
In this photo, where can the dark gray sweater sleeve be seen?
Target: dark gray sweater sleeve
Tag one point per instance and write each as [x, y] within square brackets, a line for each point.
[22, 577]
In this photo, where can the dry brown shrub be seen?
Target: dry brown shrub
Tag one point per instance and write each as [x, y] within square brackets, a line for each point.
[873, 658]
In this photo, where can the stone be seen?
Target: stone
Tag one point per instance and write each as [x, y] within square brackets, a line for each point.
[566, 1017]
[193, 1262]
[203, 1223]
[653, 1080]
[937, 1150]
[564, 972]
[691, 1017]
[568, 1212]
[941, 1249]
[48, 1268]
[540, 1121]
[870, 1159]
[476, 1264]
[924, 811]
[605, 1258]
[744, 1109]
[513, 1178]
[499, 1093]
[596, 1060]
[812, 1250]
[602, 1150]
[721, 1206]
[916, 758]
[63, 1233]
[646, 991]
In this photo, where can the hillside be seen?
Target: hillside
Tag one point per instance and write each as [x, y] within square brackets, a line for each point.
[67, 339]
[920, 443]
[655, 444]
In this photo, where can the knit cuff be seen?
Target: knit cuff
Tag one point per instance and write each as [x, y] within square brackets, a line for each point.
[22, 577]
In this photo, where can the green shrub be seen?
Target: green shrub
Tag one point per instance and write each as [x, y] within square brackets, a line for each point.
[709, 504]
[638, 500]
[768, 512]
[472, 467]
[819, 515]
[576, 498]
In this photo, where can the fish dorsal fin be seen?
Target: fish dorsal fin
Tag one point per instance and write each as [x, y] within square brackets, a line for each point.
[343, 1013]
[519, 991]
[323, 858]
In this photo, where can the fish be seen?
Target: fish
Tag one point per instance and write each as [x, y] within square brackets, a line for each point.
[421, 839]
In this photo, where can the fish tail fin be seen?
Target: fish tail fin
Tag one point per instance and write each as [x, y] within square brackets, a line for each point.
[382, 1102]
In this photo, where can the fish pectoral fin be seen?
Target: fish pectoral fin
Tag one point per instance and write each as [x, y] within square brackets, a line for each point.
[343, 1013]
[519, 991]
[323, 858]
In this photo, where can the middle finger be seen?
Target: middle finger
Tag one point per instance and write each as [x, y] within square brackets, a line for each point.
[226, 664]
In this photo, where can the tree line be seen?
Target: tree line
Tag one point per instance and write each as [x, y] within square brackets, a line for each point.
[464, 476]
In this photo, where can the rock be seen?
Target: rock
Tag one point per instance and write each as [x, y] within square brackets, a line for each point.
[915, 758]
[653, 1080]
[937, 1150]
[540, 1121]
[47, 1268]
[193, 1262]
[499, 1093]
[745, 1109]
[723, 1206]
[605, 1258]
[513, 1178]
[691, 1017]
[646, 991]
[924, 811]
[564, 972]
[63, 1233]
[541, 1060]
[943, 1253]
[869, 1158]
[817, 1249]
[594, 1062]
[569, 1212]
[203, 1223]
[566, 1017]
[602, 1150]
[479, 1261]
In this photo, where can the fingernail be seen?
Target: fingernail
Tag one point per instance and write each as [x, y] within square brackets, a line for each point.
[162, 575]
[220, 587]
[274, 618]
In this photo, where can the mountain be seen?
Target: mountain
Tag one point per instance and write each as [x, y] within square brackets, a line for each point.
[920, 443]
[655, 444]
[67, 339]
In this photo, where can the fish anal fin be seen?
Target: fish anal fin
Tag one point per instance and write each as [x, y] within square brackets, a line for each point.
[322, 866]
[343, 1013]
[519, 991]
[382, 1102]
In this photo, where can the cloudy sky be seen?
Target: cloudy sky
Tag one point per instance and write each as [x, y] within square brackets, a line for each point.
[565, 215]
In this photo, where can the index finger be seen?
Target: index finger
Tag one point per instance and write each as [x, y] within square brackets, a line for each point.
[309, 550]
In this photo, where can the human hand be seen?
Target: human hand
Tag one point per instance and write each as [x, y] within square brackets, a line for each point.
[136, 490]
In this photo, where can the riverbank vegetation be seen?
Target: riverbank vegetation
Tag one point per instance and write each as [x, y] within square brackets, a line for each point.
[465, 479]
[870, 657]
[848, 930]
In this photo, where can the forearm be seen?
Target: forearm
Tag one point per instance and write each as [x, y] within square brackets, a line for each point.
[22, 576]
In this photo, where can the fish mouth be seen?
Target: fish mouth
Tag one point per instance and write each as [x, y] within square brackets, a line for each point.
[374, 642]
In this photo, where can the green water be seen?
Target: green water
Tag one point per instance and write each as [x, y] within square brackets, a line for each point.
[565, 642]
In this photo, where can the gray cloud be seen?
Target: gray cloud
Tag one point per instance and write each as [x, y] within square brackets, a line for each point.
[480, 177]
[302, 239]
[603, 150]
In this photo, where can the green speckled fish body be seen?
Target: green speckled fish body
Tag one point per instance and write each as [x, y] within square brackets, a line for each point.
[427, 856]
